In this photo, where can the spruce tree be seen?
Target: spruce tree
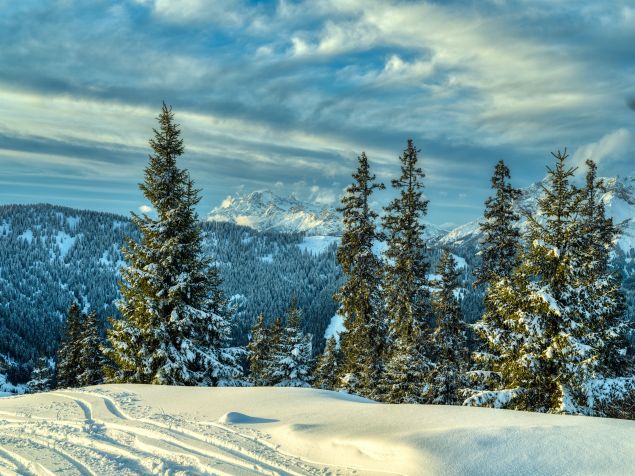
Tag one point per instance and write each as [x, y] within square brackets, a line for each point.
[501, 236]
[91, 355]
[42, 377]
[405, 285]
[499, 251]
[363, 338]
[174, 326]
[326, 369]
[562, 320]
[69, 364]
[293, 354]
[259, 349]
[449, 377]
[270, 368]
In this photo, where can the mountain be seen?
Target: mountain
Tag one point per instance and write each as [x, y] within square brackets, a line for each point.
[263, 210]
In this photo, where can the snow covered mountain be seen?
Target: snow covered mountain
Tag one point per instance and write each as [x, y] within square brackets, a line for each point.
[263, 210]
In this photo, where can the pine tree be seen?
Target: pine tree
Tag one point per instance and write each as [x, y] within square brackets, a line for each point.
[449, 378]
[91, 355]
[326, 369]
[363, 340]
[259, 349]
[42, 377]
[174, 326]
[270, 374]
[293, 355]
[501, 236]
[562, 318]
[69, 363]
[500, 250]
[405, 285]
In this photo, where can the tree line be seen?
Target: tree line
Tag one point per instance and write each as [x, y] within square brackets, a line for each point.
[553, 336]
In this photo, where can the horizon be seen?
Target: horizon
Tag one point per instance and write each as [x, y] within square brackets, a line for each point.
[284, 96]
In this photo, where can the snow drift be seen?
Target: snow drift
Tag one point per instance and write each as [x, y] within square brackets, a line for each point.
[142, 429]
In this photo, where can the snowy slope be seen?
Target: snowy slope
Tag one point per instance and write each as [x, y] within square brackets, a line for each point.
[133, 429]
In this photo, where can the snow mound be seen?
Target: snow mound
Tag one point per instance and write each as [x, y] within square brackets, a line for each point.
[237, 418]
[145, 429]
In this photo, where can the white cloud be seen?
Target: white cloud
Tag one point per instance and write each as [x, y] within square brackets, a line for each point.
[610, 146]
[146, 209]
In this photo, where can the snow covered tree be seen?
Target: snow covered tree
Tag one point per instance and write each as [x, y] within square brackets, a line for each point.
[91, 355]
[42, 377]
[500, 250]
[292, 358]
[259, 349]
[363, 339]
[405, 284]
[448, 379]
[326, 369]
[276, 333]
[561, 320]
[501, 236]
[69, 362]
[174, 327]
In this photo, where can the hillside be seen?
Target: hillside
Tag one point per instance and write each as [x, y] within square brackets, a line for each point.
[136, 429]
[50, 256]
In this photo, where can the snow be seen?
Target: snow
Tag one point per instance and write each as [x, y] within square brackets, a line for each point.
[335, 327]
[64, 242]
[317, 244]
[460, 261]
[27, 236]
[145, 429]
[267, 258]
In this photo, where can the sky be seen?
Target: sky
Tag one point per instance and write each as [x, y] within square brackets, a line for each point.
[284, 95]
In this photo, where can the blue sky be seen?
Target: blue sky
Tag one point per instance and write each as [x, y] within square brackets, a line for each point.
[284, 95]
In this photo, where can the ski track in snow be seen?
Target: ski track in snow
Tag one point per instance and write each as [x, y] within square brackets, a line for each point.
[97, 433]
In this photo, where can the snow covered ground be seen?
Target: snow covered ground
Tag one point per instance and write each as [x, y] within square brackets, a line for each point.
[137, 429]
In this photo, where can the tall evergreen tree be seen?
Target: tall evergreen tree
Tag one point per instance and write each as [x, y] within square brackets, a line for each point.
[449, 377]
[270, 369]
[560, 318]
[174, 325]
[405, 286]
[42, 377]
[293, 354]
[363, 340]
[91, 355]
[259, 349]
[501, 236]
[69, 361]
[326, 369]
[500, 252]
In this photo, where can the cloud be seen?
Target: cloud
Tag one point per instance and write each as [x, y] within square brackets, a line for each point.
[610, 146]
[146, 209]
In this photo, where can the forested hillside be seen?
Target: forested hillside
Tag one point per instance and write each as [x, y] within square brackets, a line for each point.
[51, 256]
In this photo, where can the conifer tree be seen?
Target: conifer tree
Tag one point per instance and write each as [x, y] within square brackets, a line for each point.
[69, 362]
[405, 285]
[259, 349]
[501, 236]
[363, 339]
[270, 373]
[91, 355]
[449, 377]
[293, 354]
[326, 369]
[174, 326]
[561, 318]
[500, 252]
[42, 377]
